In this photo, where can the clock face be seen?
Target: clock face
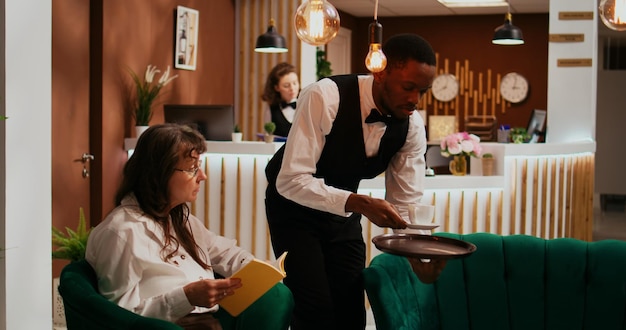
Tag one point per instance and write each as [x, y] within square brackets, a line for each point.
[445, 87]
[514, 87]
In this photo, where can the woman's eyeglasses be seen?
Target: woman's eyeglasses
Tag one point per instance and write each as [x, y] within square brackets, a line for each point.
[194, 171]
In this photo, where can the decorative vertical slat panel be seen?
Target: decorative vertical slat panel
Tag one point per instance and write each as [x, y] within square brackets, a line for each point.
[553, 204]
[255, 220]
[222, 200]
[545, 183]
[589, 177]
[500, 208]
[238, 202]
[568, 195]
[513, 198]
[253, 19]
[524, 194]
[535, 191]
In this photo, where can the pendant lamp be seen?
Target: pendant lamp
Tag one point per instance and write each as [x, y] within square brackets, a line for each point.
[376, 61]
[316, 22]
[613, 14]
[271, 41]
[507, 33]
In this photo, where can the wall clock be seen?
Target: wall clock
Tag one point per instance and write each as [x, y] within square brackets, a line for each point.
[445, 87]
[514, 87]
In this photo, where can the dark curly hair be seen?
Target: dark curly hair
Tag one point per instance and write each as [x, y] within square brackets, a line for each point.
[270, 95]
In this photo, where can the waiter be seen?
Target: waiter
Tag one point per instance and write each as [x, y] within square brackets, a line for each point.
[348, 128]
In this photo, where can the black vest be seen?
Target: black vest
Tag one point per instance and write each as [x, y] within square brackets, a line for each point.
[282, 124]
[343, 162]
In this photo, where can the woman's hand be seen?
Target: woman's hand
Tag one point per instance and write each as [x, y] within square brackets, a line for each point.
[427, 272]
[208, 293]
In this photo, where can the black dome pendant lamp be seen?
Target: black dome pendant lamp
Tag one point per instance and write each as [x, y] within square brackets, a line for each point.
[271, 41]
[507, 33]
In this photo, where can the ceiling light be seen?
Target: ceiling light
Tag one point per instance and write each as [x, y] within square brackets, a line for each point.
[316, 22]
[613, 14]
[507, 33]
[473, 3]
[376, 61]
[271, 41]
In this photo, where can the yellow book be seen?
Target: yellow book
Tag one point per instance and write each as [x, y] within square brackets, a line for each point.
[257, 277]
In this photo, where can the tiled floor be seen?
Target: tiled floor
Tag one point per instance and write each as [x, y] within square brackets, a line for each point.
[609, 223]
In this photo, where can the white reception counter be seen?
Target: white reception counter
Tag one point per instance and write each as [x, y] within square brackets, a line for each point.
[543, 190]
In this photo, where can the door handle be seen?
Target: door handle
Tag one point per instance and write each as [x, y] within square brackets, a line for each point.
[85, 158]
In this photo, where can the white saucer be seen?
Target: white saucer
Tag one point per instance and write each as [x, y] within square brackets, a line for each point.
[422, 225]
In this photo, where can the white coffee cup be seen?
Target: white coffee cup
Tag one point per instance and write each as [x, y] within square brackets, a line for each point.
[421, 213]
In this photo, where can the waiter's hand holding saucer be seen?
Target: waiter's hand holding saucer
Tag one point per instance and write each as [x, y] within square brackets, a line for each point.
[378, 211]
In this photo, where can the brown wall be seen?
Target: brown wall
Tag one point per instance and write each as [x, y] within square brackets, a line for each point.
[468, 38]
[137, 33]
[134, 33]
[94, 46]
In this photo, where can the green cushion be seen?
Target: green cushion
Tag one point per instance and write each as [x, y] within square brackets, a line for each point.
[86, 309]
[510, 282]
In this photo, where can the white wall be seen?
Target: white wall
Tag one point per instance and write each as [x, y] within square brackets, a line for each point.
[25, 181]
[572, 90]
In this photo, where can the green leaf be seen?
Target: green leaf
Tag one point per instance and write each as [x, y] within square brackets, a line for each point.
[71, 244]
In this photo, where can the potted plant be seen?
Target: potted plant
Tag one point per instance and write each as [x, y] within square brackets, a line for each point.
[487, 164]
[519, 135]
[147, 91]
[71, 245]
[237, 136]
[269, 128]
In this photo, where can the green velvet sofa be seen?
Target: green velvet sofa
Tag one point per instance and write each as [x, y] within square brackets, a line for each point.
[509, 282]
[86, 309]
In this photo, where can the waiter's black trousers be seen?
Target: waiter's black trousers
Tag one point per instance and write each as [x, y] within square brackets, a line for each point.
[324, 262]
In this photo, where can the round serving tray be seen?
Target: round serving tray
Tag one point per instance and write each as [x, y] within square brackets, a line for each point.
[423, 246]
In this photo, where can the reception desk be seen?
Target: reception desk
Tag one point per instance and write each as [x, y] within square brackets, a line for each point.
[544, 190]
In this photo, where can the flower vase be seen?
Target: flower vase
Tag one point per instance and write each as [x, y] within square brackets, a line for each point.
[458, 166]
[139, 130]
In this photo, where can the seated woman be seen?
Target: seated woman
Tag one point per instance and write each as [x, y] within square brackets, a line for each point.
[281, 91]
[154, 258]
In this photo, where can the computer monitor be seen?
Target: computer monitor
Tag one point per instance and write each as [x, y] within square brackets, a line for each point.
[537, 125]
[215, 122]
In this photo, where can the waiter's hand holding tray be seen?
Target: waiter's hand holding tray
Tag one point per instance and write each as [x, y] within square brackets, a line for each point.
[423, 246]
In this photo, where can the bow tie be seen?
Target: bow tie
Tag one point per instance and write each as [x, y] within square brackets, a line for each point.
[375, 116]
[284, 104]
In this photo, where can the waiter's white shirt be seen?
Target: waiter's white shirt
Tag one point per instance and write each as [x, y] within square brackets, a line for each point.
[317, 109]
[125, 252]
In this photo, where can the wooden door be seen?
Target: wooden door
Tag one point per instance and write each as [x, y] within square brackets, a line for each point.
[338, 52]
[70, 115]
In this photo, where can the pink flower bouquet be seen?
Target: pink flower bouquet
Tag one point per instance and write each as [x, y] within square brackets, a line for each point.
[461, 144]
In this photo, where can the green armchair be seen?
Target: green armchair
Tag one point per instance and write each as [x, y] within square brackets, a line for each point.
[86, 309]
[510, 282]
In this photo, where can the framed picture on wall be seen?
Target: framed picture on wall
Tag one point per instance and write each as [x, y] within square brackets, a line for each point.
[186, 47]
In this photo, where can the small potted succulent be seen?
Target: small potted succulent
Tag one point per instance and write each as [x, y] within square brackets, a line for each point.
[237, 136]
[269, 128]
[487, 164]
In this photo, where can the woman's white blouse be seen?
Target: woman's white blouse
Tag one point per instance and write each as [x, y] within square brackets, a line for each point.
[125, 252]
